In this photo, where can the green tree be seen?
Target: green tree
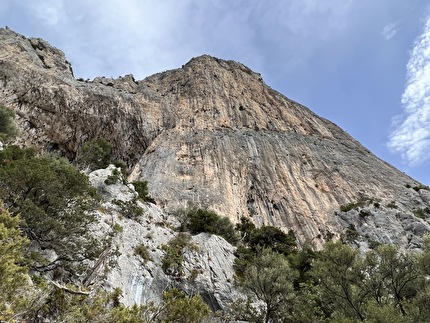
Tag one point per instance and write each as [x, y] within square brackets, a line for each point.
[269, 279]
[401, 275]
[96, 154]
[55, 202]
[178, 307]
[266, 237]
[198, 220]
[13, 274]
[141, 188]
[8, 130]
[338, 271]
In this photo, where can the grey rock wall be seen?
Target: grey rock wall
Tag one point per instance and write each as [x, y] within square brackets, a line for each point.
[211, 133]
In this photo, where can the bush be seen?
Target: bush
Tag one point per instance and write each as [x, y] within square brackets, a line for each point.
[114, 178]
[422, 213]
[353, 205]
[392, 205]
[8, 130]
[172, 261]
[143, 252]
[55, 201]
[96, 154]
[12, 273]
[129, 209]
[178, 307]
[141, 187]
[198, 220]
[266, 237]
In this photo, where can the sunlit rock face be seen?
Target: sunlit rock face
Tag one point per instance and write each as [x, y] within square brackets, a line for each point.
[214, 134]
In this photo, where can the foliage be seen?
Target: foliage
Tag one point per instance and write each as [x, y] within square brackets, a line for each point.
[421, 187]
[337, 270]
[96, 153]
[114, 178]
[422, 213]
[269, 279]
[129, 209]
[178, 307]
[197, 220]
[350, 235]
[13, 274]
[392, 205]
[385, 285]
[8, 130]
[59, 305]
[172, 260]
[141, 188]
[143, 252]
[55, 202]
[354, 205]
[266, 237]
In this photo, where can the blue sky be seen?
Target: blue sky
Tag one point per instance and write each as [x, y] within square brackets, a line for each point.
[363, 64]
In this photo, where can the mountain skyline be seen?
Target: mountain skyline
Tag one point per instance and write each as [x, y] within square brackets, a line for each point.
[359, 64]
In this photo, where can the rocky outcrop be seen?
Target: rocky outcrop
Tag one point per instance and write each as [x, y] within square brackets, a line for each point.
[211, 133]
[207, 261]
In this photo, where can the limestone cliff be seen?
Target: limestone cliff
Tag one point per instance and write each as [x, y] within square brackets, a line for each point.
[214, 134]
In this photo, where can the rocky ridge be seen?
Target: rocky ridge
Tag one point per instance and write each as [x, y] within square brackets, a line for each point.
[214, 134]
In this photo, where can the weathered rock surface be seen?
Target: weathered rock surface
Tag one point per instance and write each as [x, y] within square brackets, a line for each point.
[214, 134]
[207, 265]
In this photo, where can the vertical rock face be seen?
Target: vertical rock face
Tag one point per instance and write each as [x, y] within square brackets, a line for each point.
[211, 133]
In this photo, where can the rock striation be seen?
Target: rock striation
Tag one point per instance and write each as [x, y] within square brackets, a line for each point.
[214, 134]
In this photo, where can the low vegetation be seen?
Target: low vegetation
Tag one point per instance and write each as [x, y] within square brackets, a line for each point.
[196, 220]
[143, 252]
[141, 187]
[8, 130]
[129, 209]
[172, 260]
[336, 284]
[95, 154]
[56, 204]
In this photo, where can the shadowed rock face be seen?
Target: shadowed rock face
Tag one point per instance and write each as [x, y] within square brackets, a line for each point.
[211, 133]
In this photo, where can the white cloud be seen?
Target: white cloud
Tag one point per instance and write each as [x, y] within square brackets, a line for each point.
[114, 37]
[390, 30]
[411, 135]
[50, 12]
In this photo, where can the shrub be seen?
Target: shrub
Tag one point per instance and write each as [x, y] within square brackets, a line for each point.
[198, 220]
[129, 209]
[172, 260]
[267, 237]
[141, 187]
[350, 206]
[422, 213]
[364, 214]
[117, 228]
[421, 187]
[12, 273]
[8, 130]
[392, 205]
[178, 307]
[351, 234]
[96, 154]
[114, 178]
[143, 252]
[56, 203]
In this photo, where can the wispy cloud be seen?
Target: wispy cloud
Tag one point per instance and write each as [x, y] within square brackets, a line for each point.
[49, 12]
[390, 30]
[411, 135]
